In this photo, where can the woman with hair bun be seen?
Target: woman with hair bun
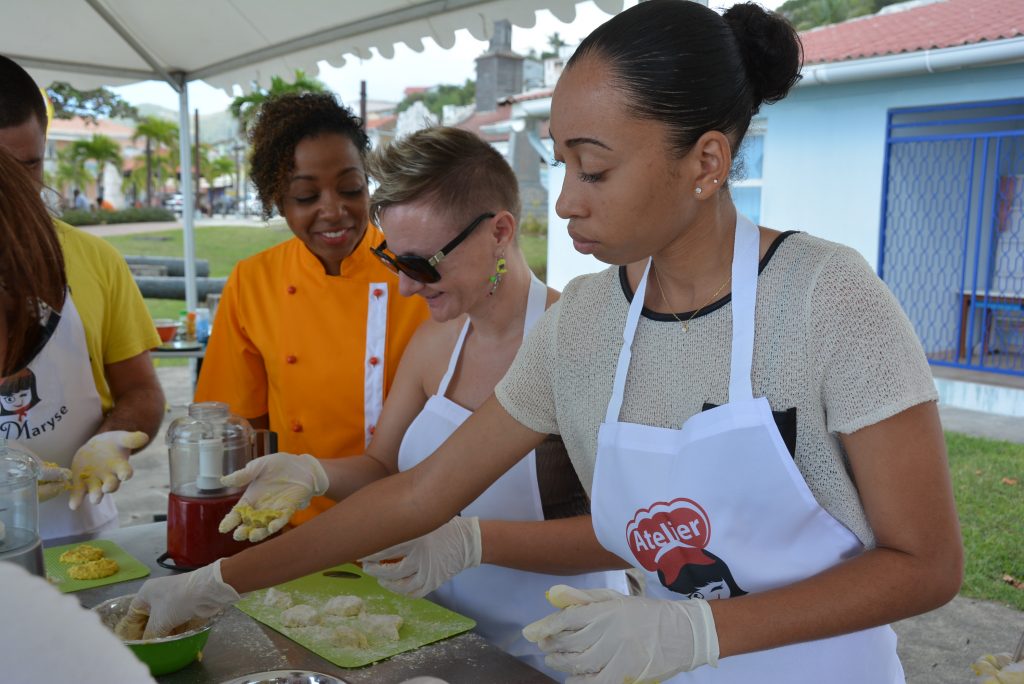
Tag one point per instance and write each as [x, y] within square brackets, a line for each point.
[749, 410]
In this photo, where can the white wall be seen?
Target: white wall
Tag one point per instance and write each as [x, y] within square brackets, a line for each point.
[825, 149]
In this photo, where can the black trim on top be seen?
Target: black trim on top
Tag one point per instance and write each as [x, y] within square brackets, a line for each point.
[686, 315]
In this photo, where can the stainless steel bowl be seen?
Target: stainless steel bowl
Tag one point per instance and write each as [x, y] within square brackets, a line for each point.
[112, 610]
[286, 677]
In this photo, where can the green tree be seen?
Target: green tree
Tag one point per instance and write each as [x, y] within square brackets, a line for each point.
[158, 132]
[555, 42]
[437, 97]
[100, 148]
[69, 174]
[244, 107]
[808, 14]
[214, 168]
[69, 102]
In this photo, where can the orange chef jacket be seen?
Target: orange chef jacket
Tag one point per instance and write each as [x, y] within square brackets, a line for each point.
[318, 353]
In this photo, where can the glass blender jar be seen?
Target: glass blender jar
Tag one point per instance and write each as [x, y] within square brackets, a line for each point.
[204, 445]
[19, 510]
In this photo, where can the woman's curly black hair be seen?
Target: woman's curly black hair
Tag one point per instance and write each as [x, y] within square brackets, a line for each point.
[283, 122]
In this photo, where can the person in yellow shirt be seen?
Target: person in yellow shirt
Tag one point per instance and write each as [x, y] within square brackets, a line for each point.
[94, 394]
[308, 334]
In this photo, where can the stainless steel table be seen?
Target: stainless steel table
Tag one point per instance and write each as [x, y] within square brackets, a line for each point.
[240, 645]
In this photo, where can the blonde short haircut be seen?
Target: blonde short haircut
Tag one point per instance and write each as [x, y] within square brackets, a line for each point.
[452, 168]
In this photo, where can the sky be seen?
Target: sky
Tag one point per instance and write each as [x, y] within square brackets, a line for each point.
[386, 79]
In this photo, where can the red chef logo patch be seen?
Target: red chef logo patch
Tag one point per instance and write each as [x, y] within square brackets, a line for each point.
[668, 536]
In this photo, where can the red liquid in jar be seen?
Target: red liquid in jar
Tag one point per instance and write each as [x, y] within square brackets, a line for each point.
[192, 536]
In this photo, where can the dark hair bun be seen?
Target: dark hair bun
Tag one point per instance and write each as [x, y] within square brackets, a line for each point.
[771, 49]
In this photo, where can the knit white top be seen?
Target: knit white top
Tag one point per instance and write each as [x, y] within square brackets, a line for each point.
[830, 341]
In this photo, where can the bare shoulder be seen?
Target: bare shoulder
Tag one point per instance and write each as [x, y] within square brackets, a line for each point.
[428, 351]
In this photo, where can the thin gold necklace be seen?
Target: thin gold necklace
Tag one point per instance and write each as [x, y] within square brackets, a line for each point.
[686, 323]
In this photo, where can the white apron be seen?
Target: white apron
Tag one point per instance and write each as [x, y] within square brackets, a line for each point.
[501, 600]
[719, 509]
[55, 412]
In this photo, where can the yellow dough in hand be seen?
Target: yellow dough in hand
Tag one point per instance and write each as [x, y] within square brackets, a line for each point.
[97, 569]
[257, 518]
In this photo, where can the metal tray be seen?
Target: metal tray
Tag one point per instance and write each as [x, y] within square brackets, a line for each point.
[286, 677]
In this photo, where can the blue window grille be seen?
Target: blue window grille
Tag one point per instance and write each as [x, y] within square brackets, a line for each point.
[952, 238]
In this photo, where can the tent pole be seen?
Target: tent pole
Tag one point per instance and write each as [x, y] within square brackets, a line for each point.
[188, 201]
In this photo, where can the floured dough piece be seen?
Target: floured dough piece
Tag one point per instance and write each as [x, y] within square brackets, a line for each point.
[82, 553]
[300, 616]
[97, 569]
[132, 625]
[275, 598]
[343, 606]
[346, 636]
[381, 626]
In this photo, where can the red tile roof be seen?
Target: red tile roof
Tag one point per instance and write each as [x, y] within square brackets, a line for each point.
[478, 119]
[943, 24]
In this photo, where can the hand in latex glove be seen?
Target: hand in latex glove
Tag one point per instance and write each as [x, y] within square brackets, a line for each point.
[53, 479]
[428, 561]
[278, 485]
[174, 600]
[101, 465]
[601, 635]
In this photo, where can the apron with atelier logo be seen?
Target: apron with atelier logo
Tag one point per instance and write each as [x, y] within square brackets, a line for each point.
[501, 600]
[52, 407]
[719, 509]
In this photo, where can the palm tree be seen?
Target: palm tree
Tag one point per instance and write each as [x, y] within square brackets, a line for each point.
[103, 150]
[70, 173]
[213, 169]
[159, 132]
[244, 107]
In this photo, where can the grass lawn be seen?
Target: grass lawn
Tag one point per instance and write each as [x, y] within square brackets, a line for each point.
[988, 482]
[223, 246]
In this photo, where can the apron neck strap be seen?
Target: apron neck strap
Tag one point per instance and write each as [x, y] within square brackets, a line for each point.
[626, 353]
[744, 296]
[535, 301]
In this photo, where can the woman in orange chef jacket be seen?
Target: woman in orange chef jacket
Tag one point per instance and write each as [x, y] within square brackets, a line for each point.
[309, 333]
[750, 410]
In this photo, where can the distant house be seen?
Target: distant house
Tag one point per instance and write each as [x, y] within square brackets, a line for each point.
[61, 133]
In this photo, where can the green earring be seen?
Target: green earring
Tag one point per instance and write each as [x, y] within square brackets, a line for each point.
[500, 269]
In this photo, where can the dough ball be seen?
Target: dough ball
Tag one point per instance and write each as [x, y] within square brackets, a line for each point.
[132, 625]
[97, 569]
[344, 606]
[275, 598]
[346, 636]
[82, 554]
[381, 626]
[300, 616]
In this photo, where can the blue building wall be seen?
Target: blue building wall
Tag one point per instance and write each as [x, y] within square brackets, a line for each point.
[825, 148]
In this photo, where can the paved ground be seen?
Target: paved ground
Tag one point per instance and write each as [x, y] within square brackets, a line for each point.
[936, 648]
[157, 226]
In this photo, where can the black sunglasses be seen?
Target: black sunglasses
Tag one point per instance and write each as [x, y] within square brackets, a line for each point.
[422, 269]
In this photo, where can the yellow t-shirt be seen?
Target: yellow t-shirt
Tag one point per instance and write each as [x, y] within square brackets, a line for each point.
[291, 342]
[117, 324]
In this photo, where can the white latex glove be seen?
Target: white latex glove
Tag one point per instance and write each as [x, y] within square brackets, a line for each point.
[174, 600]
[53, 479]
[278, 485]
[428, 561]
[601, 635]
[101, 465]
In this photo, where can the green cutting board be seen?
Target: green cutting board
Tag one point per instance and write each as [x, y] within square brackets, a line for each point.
[424, 622]
[57, 572]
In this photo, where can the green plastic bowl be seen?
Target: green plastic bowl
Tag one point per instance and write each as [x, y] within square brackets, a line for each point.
[165, 655]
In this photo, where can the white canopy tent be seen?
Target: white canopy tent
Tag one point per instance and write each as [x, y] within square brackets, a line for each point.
[90, 43]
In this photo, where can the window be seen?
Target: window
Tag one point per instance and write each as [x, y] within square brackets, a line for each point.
[746, 189]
